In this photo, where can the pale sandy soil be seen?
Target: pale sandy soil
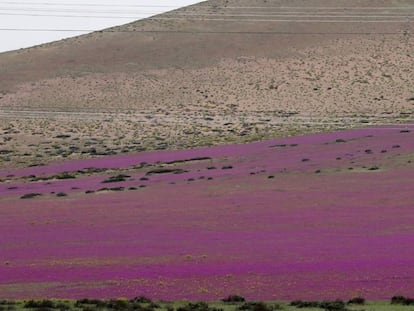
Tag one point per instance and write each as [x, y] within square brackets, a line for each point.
[217, 72]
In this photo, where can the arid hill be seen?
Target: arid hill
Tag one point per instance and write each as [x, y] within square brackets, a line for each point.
[216, 72]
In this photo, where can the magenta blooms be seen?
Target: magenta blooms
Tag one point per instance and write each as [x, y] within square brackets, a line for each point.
[320, 216]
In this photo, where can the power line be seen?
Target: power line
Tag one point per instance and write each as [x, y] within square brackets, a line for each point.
[87, 4]
[74, 16]
[211, 6]
[184, 14]
[281, 20]
[311, 7]
[286, 14]
[207, 32]
[74, 11]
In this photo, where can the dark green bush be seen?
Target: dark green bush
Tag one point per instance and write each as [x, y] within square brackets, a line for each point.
[401, 300]
[141, 299]
[357, 301]
[197, 306]
[30, 195]
[336, 305]
[117, 178]
[255, 306]
[40, 304]
[234, 298]
[305, 304]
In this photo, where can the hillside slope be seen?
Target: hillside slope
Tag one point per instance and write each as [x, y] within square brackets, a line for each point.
[219, 71]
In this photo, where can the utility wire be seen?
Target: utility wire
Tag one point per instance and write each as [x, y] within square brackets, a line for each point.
[405, 33]
[210, 6]
[73, 16]
[192, 15]
[74, 11]
[87, 4]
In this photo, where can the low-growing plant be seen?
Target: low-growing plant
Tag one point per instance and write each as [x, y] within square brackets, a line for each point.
[141, 299]
[401, 300]
[117, 178]
[234, 298]
[257, 306]
[357, 301]
[34, 304]
[335, 305]
[304, 304]
[198, 306]
[30, 195]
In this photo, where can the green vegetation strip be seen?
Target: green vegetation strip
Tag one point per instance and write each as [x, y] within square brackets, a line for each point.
[231, 303]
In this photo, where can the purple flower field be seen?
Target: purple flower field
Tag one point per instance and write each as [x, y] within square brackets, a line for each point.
[320, 216]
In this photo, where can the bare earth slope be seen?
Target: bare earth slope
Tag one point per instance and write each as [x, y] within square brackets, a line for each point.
[220, 71]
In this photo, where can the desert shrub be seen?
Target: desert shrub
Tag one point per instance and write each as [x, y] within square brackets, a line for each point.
[401, 300]
[357, 301]
[336, 305]
[305, 304]
[166, 171]
[117, 189]
[30, 195]
[61, 194]
[117, 304]
[234, 298]
[61, 306]
[141, 299]
[197, 306]
[64, 175]
[154, 305]
[256, 306]
[63, 136]
[117, 178]
[41, 304]
[228, 167]
[340, 140]
[88, 302]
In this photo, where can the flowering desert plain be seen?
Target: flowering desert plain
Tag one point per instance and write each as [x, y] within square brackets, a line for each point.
[252, 147]
[316, 216]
